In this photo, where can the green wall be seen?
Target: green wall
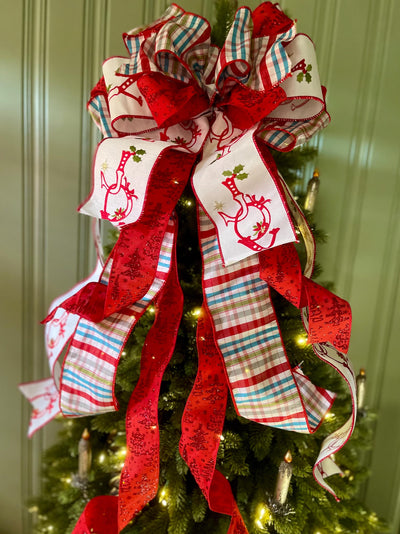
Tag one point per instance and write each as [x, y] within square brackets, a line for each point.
[51, 53]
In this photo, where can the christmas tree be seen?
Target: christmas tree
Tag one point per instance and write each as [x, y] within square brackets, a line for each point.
[270, 470]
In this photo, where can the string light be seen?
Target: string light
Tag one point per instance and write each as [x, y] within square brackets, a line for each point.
[329, 416]
[196, 312]
[222, 438]
[301, 340]
[122, 452]
[263, 516]
[102, 457]
[162, 499]
[67, 480]
[373, 518]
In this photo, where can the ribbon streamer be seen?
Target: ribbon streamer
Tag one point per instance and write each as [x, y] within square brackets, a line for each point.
[178, 108]
[202, 424]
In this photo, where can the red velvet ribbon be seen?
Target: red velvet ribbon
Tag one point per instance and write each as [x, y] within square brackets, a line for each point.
[329, 315]
[202, 424]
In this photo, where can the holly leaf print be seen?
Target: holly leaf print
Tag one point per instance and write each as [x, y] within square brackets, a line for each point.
[227, 173]
[242, 176]
[238, 168]
[308, 77]
[300, 77]
[137, 153]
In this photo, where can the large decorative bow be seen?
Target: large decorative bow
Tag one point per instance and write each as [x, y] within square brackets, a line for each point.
[181, 108]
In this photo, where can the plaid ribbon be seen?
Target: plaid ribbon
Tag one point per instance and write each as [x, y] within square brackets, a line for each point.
[263, 385]
[44, 394]
[88, 374]
[85, 384]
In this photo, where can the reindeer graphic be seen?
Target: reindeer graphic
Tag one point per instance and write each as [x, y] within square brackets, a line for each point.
[120, 189]
[251, 208]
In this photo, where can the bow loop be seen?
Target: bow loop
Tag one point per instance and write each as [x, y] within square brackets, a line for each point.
[253, 63]
[254, 53]
[270, 20]
[177, 45]
[164, 82]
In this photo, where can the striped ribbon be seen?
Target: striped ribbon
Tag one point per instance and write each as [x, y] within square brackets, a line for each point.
[88, 374]
[263, 385]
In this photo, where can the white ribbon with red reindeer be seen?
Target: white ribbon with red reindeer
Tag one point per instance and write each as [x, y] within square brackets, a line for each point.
[180, 107]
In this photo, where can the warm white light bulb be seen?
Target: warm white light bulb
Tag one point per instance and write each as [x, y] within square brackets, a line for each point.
[162, 499]
[122, 451]
[301, 340]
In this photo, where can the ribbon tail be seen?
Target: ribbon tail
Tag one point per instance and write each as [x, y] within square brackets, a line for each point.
[330, 316]
[95, 348]
[139, 477]
[202, 425]
[248, 336]
[44, 398]
[324, 465]
[135, 256]
[99, 516]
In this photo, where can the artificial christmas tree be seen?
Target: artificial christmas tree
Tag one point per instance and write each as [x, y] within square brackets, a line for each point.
[274, 490]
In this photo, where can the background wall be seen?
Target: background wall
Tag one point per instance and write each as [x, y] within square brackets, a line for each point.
[51, 53]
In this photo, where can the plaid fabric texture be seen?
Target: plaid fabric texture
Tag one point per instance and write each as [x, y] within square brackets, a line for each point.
[87, 380]
[100, 113]
[255, 62]
[287, 135]
[178, 45]
[263, 385]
